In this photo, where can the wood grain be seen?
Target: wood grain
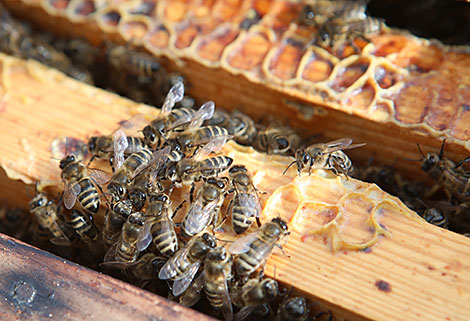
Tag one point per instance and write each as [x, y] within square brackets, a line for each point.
[407, 270]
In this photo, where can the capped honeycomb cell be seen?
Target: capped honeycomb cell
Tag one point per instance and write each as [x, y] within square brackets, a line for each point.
[134, 28]
[157, 38]
[317, 67]
[211, 46]
[348, 75]
[185, 35]
[175, 11]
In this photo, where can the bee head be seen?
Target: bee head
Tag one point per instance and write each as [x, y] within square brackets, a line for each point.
[303, 159]
[281, 223]
[67, 160]
[209, 239]
[296, 307]
[117, 190]
[136, 219]
[283, 144]
[430, 161]
[150, 136]
[160, 197]
[237, 169]
[38, 201]
[270, 288]
[217, 254]
[137, 198]
[92, 144]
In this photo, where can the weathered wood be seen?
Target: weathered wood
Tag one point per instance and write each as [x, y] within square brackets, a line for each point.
[408, 269]
[37, 285]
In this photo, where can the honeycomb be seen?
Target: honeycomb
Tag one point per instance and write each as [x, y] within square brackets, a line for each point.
[416, 84]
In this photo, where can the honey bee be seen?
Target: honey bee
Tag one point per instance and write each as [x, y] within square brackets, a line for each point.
[294, 309]
[135, 237]
[83, 226]
[78, 183]
[46, 213]
[451, 176]
[183, 266]
[115, 217]
[245, 205]
[114, 147]
[156, 132]
[328, 156]
[132, 62]
[189, 139]
[121, 179]
[239, 125]
[253, 293]
[143, 270]
[163, 228]
[205, 210]
[254, 249]
[277, 139]
[217, 271]
[189, 170]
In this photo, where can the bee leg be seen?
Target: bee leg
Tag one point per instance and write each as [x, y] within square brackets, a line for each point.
[466, 160]
[191, 192]
[258, 222]
[92, 159]
[282, 250]
[111, 162]
[178, 208]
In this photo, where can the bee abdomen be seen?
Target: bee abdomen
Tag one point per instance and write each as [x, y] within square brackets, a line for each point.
[89, 197]
[166, 240]
[135, 144]
[214, 293]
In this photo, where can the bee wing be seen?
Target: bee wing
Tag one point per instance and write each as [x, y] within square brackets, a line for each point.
[242, 245]
[99, 176]
[168, 271]
[120, 144]
[158, 158]
[110, 255]
[341, 144]
[145, 237]
[250, 201]
[205, 112]
[227, 309]
[71, 192]
[244, 312]
[198, 217]
[214, 145]
[182, 283]
[175, 95]
[118, 264]
[132, 123]
[193, 294]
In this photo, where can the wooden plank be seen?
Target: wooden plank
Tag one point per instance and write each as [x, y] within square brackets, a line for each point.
[408, 270]
[37, 285]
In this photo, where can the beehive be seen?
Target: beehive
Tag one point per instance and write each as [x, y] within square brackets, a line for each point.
[266, 68]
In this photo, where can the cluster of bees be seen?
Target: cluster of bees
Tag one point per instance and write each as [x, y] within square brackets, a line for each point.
[139, 238]
[339, 23]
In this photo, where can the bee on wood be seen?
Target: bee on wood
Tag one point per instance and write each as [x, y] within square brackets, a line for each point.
[46, 213]
[451, 176]
[183, 266]
[254, 249]
[189, 139]
[205, 210]
[143, 270]
[276, 139]
[115, 147]
[245, 205]
[193, 169]
[115, 218]
[79, 183]
[135, 237]
[253, 293]
[293, 309]
[163, 228]
[239, 125]
[328, 155]
[217, 272]
[155, 133]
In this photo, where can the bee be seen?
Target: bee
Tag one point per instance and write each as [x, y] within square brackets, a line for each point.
[114, 147]
[435, 216]
[163, 228]
[189, 139]
[294, 309]
[115, 217]
[242, 128]
[156, 132]
[46, 213]
[254, 249]
[276, 139]
[183, 266]
[135, 237]
[253, 293]
[83, 226]
[78, 183]
[328, 156]
[132, 62]
[217, 271]
[245, 205]
[189, 170]
[205, 209]
[451, 176]
[121, 179]
[143, 270]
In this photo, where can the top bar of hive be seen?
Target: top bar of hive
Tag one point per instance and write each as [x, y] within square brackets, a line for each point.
[408, 269]
[399, 89]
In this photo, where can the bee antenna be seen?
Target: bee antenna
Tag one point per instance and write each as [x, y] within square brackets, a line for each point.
[441, 152]
[289, 166]
[225, 241]
[421, 151]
